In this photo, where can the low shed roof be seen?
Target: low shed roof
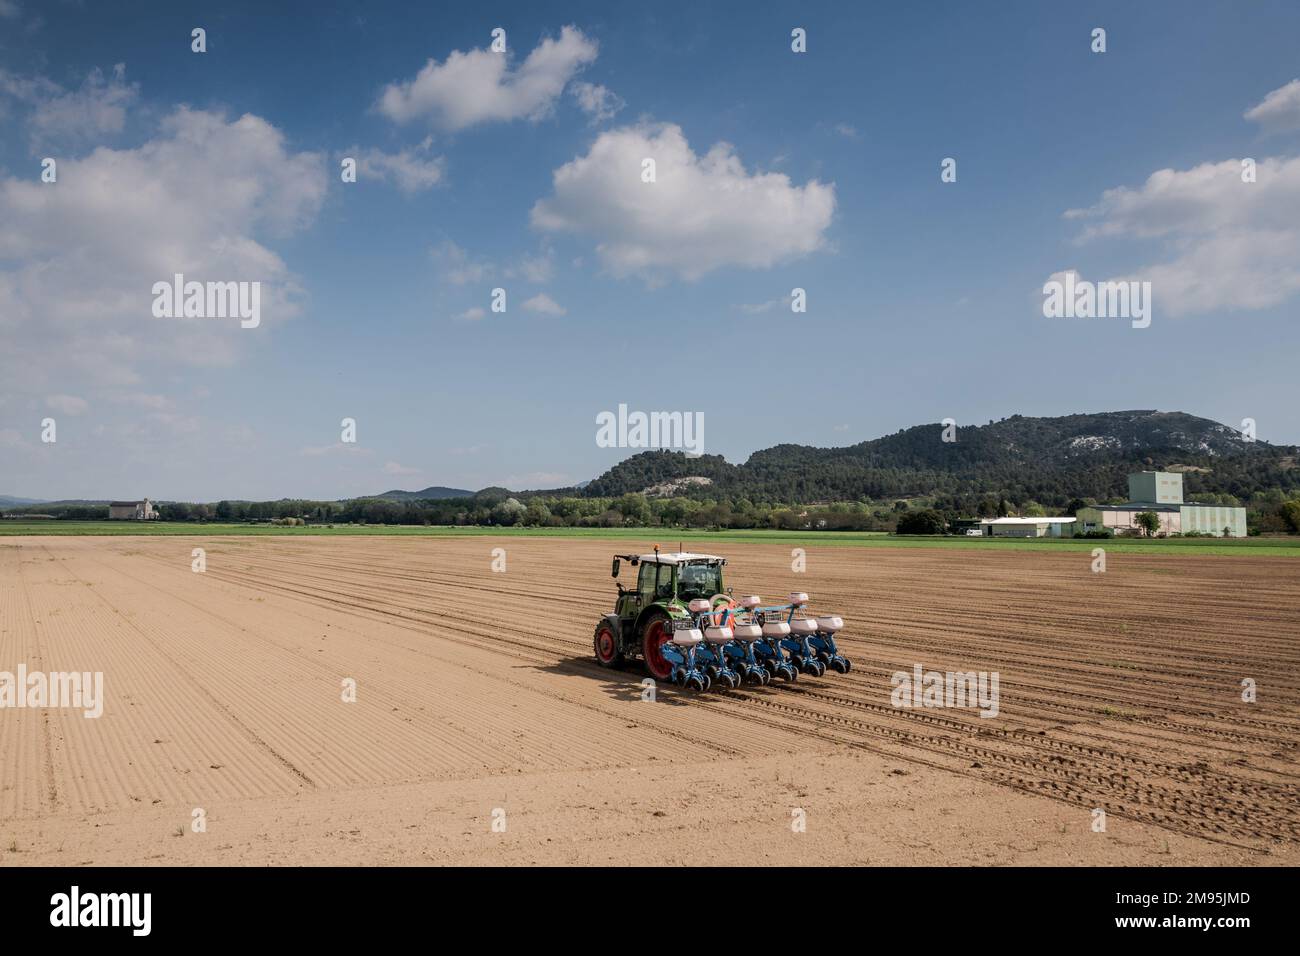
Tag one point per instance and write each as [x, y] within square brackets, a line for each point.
[1137, 506]
[1026, 520]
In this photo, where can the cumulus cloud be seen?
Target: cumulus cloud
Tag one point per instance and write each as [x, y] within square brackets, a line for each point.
[1205, 198]
[411, 170]
[98, 108]
[598, 102]
[472, 314]
[1230, 244]
[78, 258]
[480, 87]
[544, 304]
[702, 213]
[1279, 110]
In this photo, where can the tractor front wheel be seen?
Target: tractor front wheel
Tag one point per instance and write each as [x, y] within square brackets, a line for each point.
[606, 643]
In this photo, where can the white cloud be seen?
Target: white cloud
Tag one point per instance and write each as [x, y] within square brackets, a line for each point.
[1205, 198]
[471, 315]
[544, 304]
[456, 264]
[411, 169]
[1231, 244]
[702, 213]
[1280, 109]
[460, 268]
[67, 404]
[479, 87]
[97, 109]
[848, 131]
[537, 269]
[78, 258]
[598, 102]
[10, 10]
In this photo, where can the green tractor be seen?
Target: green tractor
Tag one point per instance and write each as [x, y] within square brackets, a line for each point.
[687, 628]
[654, 621]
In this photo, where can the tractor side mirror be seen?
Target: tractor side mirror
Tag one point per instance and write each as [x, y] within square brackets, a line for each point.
[615, 572]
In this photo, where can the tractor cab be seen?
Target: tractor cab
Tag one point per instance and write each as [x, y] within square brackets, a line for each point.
[669, 580]
[665, 583]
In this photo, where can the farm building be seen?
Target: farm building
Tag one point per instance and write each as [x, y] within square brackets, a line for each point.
[131, 510]
[1162, 492]
[1028, 527]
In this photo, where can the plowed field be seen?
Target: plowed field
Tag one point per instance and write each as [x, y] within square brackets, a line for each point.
[483, 731]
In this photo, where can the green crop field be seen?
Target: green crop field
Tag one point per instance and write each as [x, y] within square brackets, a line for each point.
[668, 538]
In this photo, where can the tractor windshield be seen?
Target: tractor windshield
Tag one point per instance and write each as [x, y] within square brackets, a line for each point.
[698, 581]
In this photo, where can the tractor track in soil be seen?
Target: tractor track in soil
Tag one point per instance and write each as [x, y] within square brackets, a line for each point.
[1144, 722]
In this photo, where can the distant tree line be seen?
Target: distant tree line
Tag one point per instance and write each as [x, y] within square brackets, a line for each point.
[1272, 511]
[1014, 466]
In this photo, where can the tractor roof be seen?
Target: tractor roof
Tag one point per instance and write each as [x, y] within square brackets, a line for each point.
[677, 557]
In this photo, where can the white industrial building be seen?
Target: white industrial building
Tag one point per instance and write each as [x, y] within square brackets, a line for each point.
[1161, 492]
[1027, 527]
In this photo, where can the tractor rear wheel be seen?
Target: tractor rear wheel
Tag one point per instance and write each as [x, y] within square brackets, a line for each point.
[657, 632]
[606, 644]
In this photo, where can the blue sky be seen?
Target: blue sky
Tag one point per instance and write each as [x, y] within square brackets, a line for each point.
[924, 297]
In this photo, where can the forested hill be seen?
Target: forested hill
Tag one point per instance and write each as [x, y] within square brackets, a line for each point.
[432, 493]
[1050, 460]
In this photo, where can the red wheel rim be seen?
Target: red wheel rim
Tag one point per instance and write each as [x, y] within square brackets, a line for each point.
[656, 636]
[605, 644]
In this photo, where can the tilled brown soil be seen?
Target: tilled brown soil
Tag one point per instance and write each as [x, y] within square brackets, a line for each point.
[477, 693]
